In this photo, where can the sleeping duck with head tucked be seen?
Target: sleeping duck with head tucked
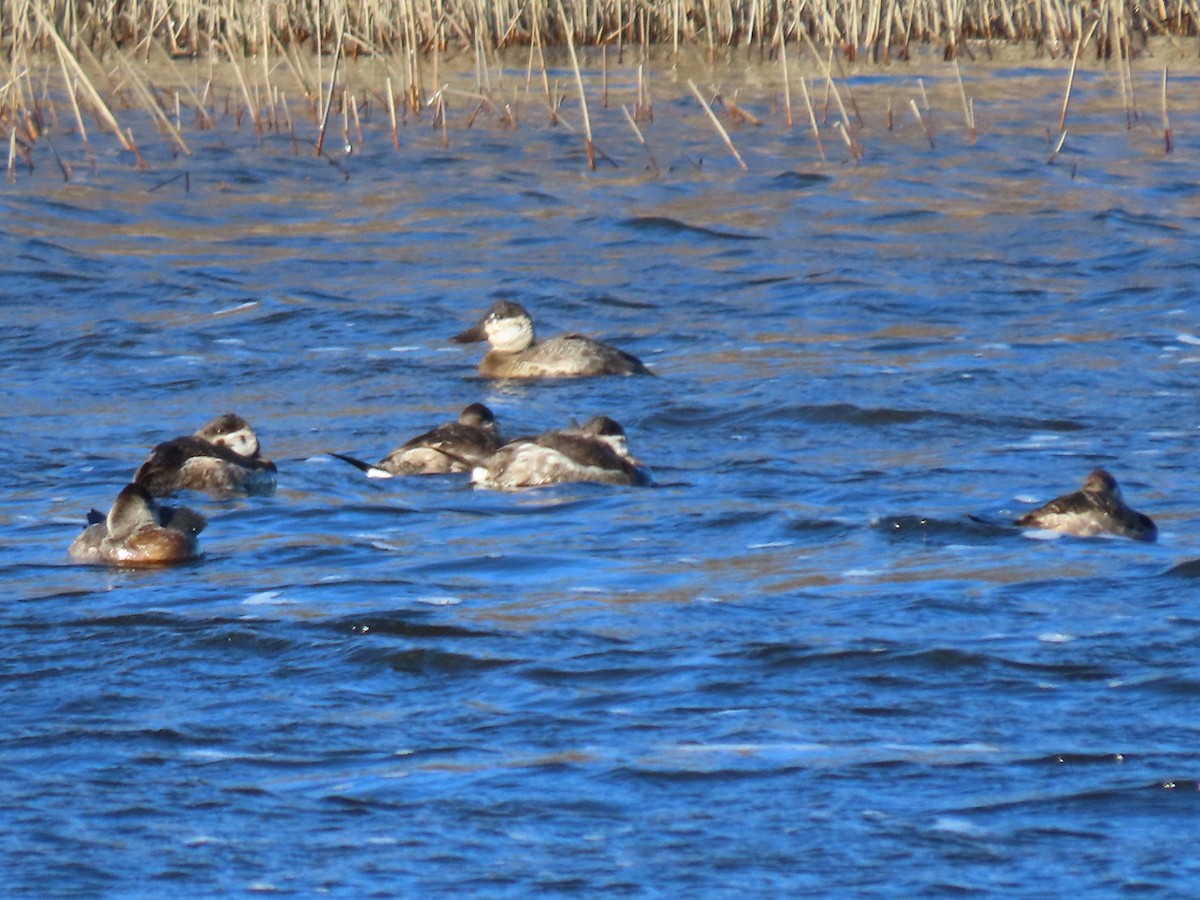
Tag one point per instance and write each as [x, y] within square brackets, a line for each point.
[137, 532]
[516, 353]
[222, 459]
[457, 446]
[1097, 509]
[595, 452]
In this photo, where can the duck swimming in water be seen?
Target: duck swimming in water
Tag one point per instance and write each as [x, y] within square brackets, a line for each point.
[452, 447]
[137, 532]
[1096, 509]
[515, 353]
[596, 452]
[222, 459]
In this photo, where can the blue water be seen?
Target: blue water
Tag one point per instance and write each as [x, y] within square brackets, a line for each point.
[813, 659]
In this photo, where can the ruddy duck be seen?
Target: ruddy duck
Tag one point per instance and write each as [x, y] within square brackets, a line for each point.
[596, 452]
[1097, 509]
[516, 354]
[138, 532]
[451, 447]
[221, 459]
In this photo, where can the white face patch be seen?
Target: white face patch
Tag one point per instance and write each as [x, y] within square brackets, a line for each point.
[618, 443]
[242, 442]
[509, 335]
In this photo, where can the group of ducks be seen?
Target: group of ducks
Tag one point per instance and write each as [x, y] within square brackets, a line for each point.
[223, 458]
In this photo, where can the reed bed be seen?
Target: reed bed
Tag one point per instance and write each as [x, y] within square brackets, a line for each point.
[880, 29]
[276, 66]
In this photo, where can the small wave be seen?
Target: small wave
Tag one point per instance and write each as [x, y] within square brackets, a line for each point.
[428, 661]
[1153, 798]
[666, 226]
[798, 181]
[1189, 569]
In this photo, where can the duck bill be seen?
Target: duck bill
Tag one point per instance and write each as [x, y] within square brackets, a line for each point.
[472, 335]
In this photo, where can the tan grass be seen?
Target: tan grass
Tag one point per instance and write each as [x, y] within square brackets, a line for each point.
[415, 28]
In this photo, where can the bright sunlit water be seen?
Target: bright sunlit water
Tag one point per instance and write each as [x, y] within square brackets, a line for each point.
[813, 659]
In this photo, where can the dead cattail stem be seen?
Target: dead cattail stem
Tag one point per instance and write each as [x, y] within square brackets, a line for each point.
[62, 166]
[968, 106]
[827, 71]
[717, 124]
[587, 122]
[328, 99]
[251, 107]
[856, 149]
[643, 110]
[72, 93]
[204, 119]
[920, 121]
[1062, 119]
[1062, 139]
[740, 115]
[787, 92]
[604, 75]
[287, 121]
[346, 103]
[67, 59]
[160, 119]
[12, 155]
[641, 139]
[1168, 136]
[812, 119]
[391, 105]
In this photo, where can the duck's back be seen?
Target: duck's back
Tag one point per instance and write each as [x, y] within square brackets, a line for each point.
[453, 447]
[566, 356]
[555, 458]
[191, 463]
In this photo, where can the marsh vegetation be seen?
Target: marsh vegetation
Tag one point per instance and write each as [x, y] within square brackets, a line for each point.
[309, 69]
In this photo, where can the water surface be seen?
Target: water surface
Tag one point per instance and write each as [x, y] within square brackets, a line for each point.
[814, 658]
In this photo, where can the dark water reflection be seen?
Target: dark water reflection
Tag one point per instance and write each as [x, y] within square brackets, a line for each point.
[814, 658]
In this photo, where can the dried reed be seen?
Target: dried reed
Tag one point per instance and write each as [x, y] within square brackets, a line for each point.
[587, 121]
[717, 124]
[1168, 135]
[317, 41]
[412, 29]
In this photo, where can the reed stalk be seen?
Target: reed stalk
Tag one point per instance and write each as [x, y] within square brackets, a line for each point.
[812, 119]
[587, 122]
[856, 149]
[1062, 119]
[247, 97]
[68, 60]
[12, 156]
[391, 107]
[416, 28]
[1168, 135]
[782, 44]
[1062, 139]
[73, 95]
[637, 132]
[921, 121]
[328, 102]
[174, 139]
[827, 70]
[717, 124]
[968, 106]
